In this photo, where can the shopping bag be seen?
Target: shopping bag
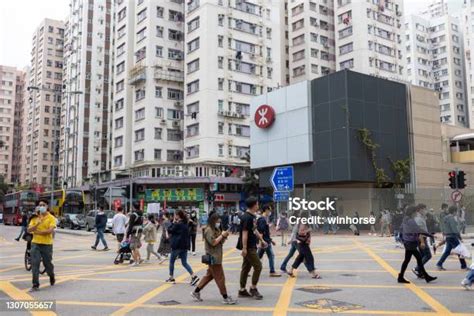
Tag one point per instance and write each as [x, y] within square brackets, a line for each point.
[461, 250]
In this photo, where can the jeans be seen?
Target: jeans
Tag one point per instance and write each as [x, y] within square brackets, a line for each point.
[100, 236]
[251, 260]
[270, 255]
[451, 243]
[470, 277]
[183, 254]
[304, 254]
[41, 252]
[290, 255]
[425, 253]
[396, 234]
[22, 231]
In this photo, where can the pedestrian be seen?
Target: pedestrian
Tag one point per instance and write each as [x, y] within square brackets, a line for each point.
[282, 227]
[214, 238]
[469, 279]
[165, 248]
[410, 235]
[423, 246]
[24, 225]
[385, 224]
[225, 221]
[293, 247]
[179, 238]
[303, 240]
[397, 223]
[235, 223]
[134, 234]
[247, 243]
[264, 229]
[334, 227]
[193, 225]
[119, 222]
[433, 227]
[100, 225]
[452, 237]
[42, 227]
[462, 220]
[149, 236]
[372, 226]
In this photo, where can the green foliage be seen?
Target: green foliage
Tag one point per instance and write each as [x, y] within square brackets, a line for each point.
[401, 168]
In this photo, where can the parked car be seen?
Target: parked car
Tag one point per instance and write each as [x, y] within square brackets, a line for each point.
[72, 221]
[90, 219]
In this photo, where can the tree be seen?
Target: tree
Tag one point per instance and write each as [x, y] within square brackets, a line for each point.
[3, 188]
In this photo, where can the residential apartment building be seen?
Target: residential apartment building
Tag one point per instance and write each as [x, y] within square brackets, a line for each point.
[435, 60]
[436, 8]
[327, 36]
[184, 74]
[467, 24]
[11, 101]
[18, 123]
[85, 115]
[42, 111]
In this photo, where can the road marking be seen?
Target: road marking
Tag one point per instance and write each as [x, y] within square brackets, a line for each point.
[19, 295]
[433, 303]
[284, 301]
[151, 294]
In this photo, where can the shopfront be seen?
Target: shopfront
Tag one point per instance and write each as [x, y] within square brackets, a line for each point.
[174, 199]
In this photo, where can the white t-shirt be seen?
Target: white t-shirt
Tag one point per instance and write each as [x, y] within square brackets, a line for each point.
[118, 223]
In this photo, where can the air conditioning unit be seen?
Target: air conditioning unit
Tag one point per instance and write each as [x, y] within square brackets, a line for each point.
[163, 122]
[269, 60]
[252, 56]
[178, 104]
[176, 124]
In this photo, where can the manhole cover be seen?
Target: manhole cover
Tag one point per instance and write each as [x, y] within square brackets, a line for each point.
[318, 289]
[328, 304]
[349, 275]
[70, 250]
[169, 303]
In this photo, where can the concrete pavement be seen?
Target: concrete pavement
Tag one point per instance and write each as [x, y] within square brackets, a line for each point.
[358, 278]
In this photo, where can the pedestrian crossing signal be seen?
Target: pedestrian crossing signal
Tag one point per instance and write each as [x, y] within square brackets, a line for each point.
[452, 180]
[461, 179]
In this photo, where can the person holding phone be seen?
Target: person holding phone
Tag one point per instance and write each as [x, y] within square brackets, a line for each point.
[42, 228]
[214, 238]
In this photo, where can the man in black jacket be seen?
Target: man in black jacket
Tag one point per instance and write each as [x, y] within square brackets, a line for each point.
[24, 225]
[179, 240]
[100, 224]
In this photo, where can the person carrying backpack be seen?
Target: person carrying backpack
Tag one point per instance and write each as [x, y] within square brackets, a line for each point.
[282, 227]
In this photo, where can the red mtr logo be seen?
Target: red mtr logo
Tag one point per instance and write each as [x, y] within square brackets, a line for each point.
[264, 116]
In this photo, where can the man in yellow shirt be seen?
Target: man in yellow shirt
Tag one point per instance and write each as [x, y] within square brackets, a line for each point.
[42, 227]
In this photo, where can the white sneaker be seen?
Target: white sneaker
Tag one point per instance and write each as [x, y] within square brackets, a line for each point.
[229, 301]
[161, 260]
[466, 285]
[194, 253]
[196, 296]
[134, 264]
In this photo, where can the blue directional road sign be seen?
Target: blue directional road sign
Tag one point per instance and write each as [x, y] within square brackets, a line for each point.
[280, 196]
[283, 178]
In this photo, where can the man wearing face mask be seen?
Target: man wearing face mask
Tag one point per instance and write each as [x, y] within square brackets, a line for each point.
[192, 224]
[42, 228]
[264, 228]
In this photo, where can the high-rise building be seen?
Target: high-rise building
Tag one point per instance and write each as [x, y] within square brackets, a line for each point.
[435, 60]
[43, 106]
[184, 74]
[364, 36]
[436, 8]
[87, 61]
[11, 101]
[467, 24]
[17, 150]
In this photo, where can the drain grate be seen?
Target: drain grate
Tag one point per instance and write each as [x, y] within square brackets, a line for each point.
[334, 306]
[318, 289]
[169, 303]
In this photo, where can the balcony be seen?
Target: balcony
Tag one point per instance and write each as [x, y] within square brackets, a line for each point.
[462, 148]
[167, 75]
[136, 75]
[230, 114]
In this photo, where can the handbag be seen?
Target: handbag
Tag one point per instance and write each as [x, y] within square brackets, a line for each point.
[461, 250]
[207, 259]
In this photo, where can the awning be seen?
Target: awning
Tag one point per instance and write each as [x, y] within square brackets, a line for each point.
[463, 137]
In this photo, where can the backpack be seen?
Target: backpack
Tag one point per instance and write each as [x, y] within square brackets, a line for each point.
[283, 225]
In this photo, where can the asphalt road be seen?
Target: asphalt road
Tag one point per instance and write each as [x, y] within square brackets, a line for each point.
[358, 278]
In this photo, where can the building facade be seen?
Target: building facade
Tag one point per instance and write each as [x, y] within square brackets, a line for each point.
[18, 123]
[467, 24]
[42, 105]
[11, 102]
[85, 115]
[435, 60]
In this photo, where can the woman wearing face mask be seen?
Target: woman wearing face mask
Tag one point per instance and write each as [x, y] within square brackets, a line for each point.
[193, 231]
[214, 238]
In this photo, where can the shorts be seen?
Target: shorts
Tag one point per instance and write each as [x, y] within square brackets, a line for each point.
[119, 237]
[135, 242]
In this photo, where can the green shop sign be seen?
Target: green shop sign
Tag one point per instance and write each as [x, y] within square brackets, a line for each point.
[174, 195]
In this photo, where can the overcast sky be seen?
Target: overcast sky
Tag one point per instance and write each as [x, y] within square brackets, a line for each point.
[19, 19]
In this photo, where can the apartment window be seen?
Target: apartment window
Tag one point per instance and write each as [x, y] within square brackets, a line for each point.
[299, 71]
[139, 155]
[345, 32]
[193, 108]
[173, 155]
[175, 35]
[158, 132]
[344, 49]
[159, 12]
[157, 154]
[220, 128]
[140, 135]
[159, 31]
[174, 94]
[175, 114]
[121, 50]
[298, 55]
[193, 87]
[193, 66]
[220, 62]
[140, 114]
[298, 40]
[159, 51]
[193, 45]
[119, 123]
[119, 104]
[118, 160]
[220, 40]
[192, 130]
[140, 54]
[122, 14]
[193, 24]
[159, 112]
[348, 64]
[118, 141]
[158, 92]
[141, 15]
[141, 35]
[192, 151]
[174, 135]
[175, 54]
[121, 67]
[220, 150]
[244, 67]
[244, 47]
[139, 94]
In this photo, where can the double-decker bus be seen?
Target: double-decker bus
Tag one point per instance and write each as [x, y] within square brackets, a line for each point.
[65, 202]
[15, 203]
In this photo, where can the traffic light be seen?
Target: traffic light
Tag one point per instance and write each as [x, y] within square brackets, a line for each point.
[461, 179]
[452, 180]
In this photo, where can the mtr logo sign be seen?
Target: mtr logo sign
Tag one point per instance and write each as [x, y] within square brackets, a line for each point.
[264, 116]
